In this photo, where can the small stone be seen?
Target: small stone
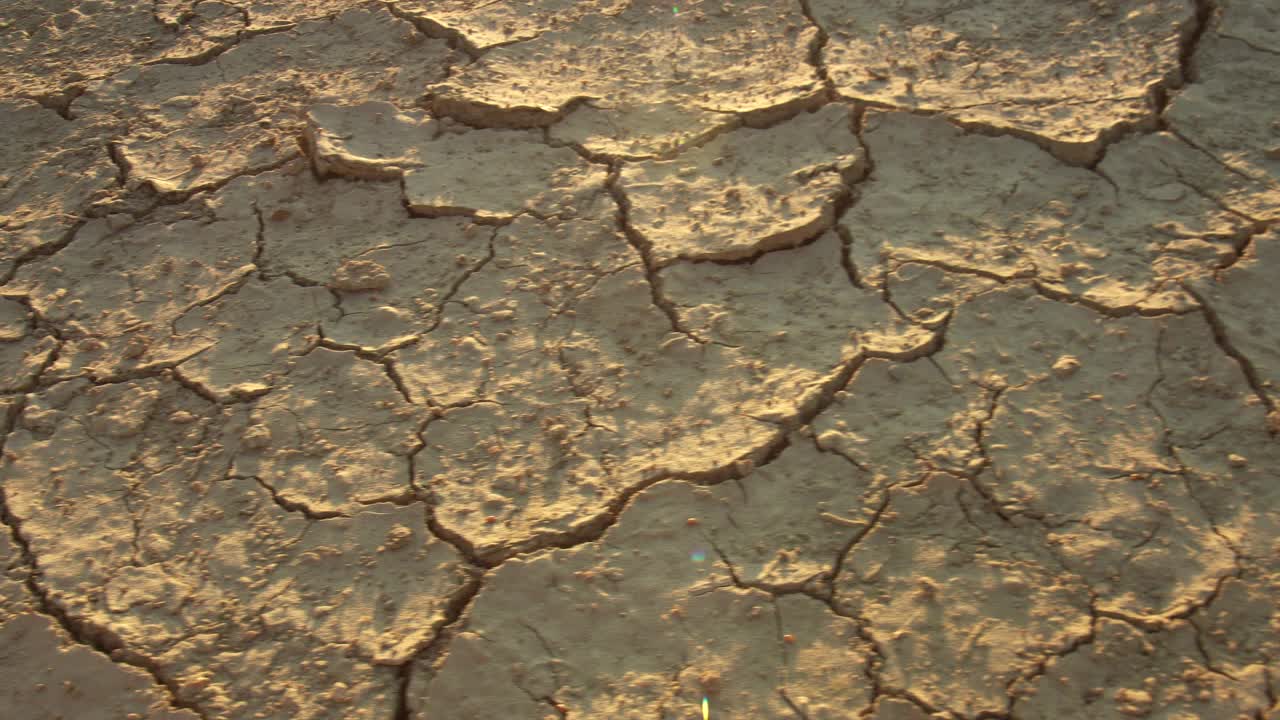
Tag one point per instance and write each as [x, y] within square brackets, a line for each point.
[256, 437]
[691, 522]
[1237, 461]
[1066, 366]
[397, 537]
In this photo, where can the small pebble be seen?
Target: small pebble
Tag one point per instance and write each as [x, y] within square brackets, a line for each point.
[1066, 366]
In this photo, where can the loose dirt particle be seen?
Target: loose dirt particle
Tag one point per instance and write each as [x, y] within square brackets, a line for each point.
[358, 275]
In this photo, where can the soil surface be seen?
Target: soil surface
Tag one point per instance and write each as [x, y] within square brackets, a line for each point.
[544, 359]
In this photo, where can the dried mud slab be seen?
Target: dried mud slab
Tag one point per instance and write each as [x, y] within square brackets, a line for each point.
[242, 341]
[1074, 442]
[516, 456]
[389, 274]
[1004, 209]
[114, 291]
[1250, 22]
[1240, 301]
[489, 175]
[271, 14]
[494, 175]
[1240, 631]
[733, 59]
[901, 420]
[793, 317]
[787, 524]
[503, 313]
[25, 352]
[49, 174]
[959, 602]
[1070, 76]
[15, 597]
[638, 132]
[49, 677]
[331, 436]
[684, 406]
[1222, 434]
[1226, 112]
[485, 25]
[370, 141]
[1125, 673]
[98, 39]
[594, 652]
[197, 126]
[220, 588]
[556, 408]
[747, 191]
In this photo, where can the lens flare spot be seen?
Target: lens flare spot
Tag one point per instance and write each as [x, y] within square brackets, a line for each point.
[706, 708]
[698, 555]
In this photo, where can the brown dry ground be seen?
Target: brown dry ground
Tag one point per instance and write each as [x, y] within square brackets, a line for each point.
[443, 359]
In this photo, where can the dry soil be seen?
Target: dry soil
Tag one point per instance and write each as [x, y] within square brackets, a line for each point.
[545, 359]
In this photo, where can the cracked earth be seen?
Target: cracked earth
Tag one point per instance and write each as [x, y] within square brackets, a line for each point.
[441, 359]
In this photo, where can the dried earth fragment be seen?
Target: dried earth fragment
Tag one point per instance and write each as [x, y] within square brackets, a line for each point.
[747, 191]
[490, 175]
[516, 455]
[271, 14]
[494, 175]
[1242, 300]
[638, 132]
[786, 524]
[331, 435]
[50, 172]
[960, 602]
[1227, 113]
[221, 588]
[241, 342]
[1240, 630]
[374, 140]
[899, 420]
[748, 57]
[1249, 21]
[1084, 452]
[338, 232]
[577, 408]
[1223, 435]
[792, 317]
[115, 290]
[485, 25]
[593, 648]
[1070, 76]
[197, 126]
[1126, 673]
[98, 39]
[50, 677]
[15, 597]
[1003, 208]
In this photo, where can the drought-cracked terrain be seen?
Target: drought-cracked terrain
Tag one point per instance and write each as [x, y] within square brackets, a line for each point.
[545, 359]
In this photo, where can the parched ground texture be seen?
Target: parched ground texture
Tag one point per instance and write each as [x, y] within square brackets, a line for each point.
[825, 359]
